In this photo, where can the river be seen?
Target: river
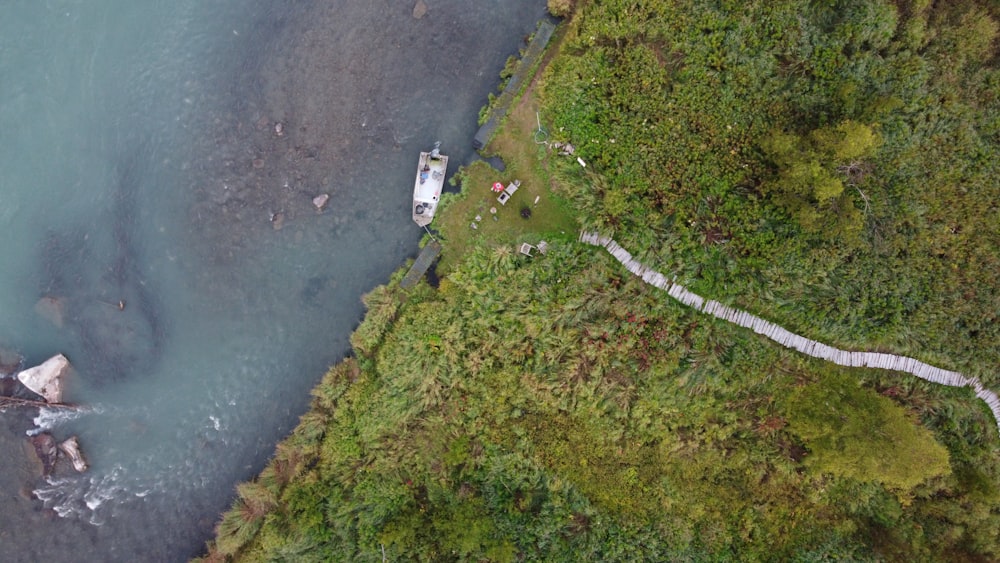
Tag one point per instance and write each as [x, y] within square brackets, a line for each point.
[164, 156]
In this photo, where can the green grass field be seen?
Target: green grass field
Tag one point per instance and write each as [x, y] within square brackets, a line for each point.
[499, 224]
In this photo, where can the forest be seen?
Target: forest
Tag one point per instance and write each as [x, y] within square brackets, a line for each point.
[831, 166]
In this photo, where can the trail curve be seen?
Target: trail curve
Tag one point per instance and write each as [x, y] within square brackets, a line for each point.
[789, 339]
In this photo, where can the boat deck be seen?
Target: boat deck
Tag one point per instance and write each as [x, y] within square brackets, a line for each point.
[427, 187]
[430, 190]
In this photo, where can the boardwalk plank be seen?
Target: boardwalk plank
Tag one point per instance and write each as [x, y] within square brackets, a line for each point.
[788, 339]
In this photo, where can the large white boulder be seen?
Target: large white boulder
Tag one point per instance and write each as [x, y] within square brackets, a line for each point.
[46, 379]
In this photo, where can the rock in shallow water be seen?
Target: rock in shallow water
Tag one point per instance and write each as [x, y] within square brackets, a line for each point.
[420, 9]
[320, 201]
[45, 449]
[46, 379]
[71, 447]
[277, 221]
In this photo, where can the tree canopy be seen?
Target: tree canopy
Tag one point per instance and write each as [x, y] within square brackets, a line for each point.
[855, 433]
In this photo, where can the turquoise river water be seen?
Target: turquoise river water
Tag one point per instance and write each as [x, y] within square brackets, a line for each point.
[165, 155]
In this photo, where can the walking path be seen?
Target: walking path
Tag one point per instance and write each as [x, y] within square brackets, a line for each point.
[792, 340]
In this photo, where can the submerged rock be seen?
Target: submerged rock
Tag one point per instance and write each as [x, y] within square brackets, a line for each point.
[46, 450]
[46, 379]
[10, 362]
[277, 221]
[71, 447]
[419, 9]
[51, 309]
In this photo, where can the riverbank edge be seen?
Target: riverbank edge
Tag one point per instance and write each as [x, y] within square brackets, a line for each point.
[527, 68]
[340, 375]
[542, 48]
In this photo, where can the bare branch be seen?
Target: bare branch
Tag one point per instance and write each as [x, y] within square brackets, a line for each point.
[855, 172]
[864, 197]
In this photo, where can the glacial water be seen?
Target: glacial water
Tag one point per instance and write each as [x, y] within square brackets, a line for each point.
[163, 156]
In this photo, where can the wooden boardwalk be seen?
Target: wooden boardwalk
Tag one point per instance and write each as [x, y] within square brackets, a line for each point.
[791, 340]
[522, 74]
[420, 266]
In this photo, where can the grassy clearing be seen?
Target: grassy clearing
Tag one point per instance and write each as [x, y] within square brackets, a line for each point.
[526, 161]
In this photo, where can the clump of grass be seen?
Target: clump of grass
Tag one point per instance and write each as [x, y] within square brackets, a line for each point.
[253, 502]
[560, 8]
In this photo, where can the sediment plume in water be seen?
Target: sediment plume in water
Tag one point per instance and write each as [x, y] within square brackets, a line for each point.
[233, 319]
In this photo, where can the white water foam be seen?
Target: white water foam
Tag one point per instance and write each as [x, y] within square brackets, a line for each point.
[86, 497]
[49, 418]
[99, 494]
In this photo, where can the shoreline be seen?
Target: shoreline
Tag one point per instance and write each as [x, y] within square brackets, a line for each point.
[357, 132]
[533, 397]
[533, 67]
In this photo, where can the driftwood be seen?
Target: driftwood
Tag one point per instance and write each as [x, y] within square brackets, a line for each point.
[7, 402]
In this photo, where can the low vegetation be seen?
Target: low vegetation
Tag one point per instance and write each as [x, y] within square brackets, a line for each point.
[836, 160]
[831, 166]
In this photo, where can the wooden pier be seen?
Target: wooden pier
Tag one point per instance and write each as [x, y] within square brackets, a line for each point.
[790, 340]
[423, 263]
[522, 74]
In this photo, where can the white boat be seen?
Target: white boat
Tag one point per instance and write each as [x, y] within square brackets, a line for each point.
[427, 187]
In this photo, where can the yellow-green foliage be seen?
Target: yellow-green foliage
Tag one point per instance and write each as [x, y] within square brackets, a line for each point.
[853, 432]
[335, 383]
[618, 475]
[809, 183]
[382, 303]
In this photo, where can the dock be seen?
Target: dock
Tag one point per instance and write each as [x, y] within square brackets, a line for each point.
[423, 263]
[522, 74]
